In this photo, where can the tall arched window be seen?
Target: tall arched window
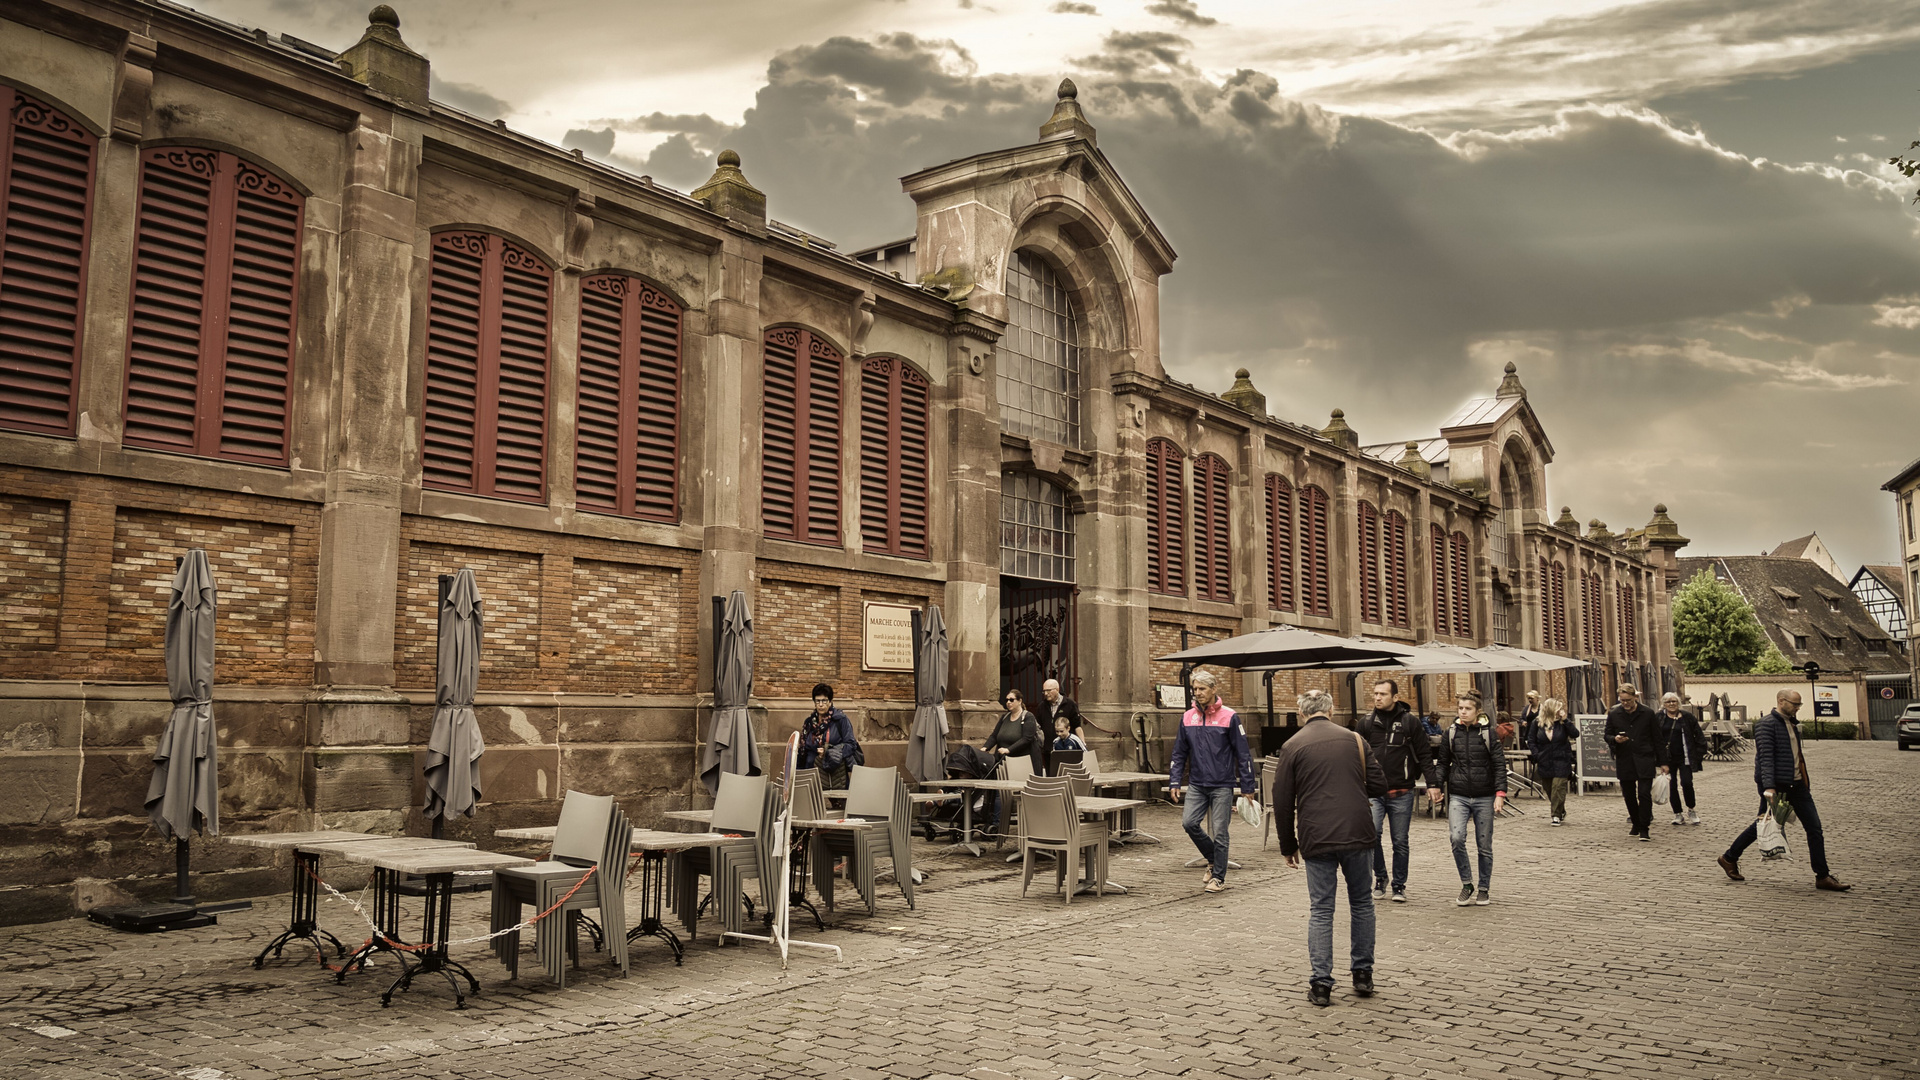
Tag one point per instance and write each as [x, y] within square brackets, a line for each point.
[210, 335]
[1036, 529]
[1368, 553]
[1553, 605]
[1393, 536]
[800, 463]
[1212, 541]
[627, 457]
[1316, 591]
[1038, 358]
[1442, 592]
[1280, 543]
[46, 208]
[1166, 520]
[893, 458]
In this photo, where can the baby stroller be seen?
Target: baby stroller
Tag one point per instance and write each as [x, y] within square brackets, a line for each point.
[963, 763]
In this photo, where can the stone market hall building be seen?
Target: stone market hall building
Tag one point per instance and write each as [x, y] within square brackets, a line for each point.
[272, 301]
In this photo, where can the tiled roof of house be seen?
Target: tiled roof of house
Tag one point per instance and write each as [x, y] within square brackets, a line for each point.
[1797, 598]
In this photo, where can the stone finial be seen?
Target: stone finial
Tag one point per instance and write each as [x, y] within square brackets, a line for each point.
[1597, 530]
[1338, 431]
[1663, 530]
[1413, 461]
[1242, 395]
[1566, 522]
[1067, 121]
[1510, 386]
[728, 193]
[382, 61]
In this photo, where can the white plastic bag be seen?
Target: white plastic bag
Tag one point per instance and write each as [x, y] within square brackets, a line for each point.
[1250, 811]
[1662, 789]
[1770, 838]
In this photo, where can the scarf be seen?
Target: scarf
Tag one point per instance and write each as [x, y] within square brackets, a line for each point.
[813, 733]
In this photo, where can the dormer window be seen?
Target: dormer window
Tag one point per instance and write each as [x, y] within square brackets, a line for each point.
[1799, 643]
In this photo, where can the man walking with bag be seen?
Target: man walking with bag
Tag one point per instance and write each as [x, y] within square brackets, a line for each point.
[1322, 791]
[1633, 734]
[1400, 743]
[1210, 761]
[1780, 771]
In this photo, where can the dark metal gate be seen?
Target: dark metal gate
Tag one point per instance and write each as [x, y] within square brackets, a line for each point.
[1883, 712]
[1037, 636]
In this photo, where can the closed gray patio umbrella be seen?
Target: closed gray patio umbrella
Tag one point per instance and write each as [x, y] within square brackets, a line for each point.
[454, 746]
[927, 742]
[731, 745]
[184, 794]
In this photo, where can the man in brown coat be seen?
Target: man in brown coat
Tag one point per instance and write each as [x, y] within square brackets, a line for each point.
[1322, 794]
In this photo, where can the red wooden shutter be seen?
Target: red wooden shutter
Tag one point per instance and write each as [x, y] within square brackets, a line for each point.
[800, 476]
[1462, 588]
[1597, 608]
[627, 452]
[1368, 552]
[1166, 520]
[46, 210]
[1630, 604]
[1559, 576]
[1546, 607]
[893, 458]
[1280, 593]
[1213, 546]
[210, 337]
[1437, 542]
[488, 308]
[1398, 609]
[1317, 598]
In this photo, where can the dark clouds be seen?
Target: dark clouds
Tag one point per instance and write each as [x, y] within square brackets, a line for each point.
[1184, 12]
[466, 96]
[1070, 7]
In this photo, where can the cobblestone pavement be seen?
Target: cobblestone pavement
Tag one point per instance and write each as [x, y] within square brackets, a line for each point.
[1601, 957]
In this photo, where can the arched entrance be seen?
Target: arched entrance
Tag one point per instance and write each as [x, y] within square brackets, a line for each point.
[1036, 586]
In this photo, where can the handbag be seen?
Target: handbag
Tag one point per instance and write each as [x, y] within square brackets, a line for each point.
[1662, 788]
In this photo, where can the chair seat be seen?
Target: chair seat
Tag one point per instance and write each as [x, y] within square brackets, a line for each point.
[543, 869]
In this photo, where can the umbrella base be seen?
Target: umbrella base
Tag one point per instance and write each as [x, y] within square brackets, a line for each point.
[161, 917]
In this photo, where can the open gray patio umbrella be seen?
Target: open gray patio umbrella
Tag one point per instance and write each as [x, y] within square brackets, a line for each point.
[184, 794]
[927, 742]
[731, 745]
[1283, 647]
[454, 746]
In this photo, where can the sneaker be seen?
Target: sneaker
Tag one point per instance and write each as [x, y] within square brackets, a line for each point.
[1215, 885]
[1363, 982]
[1320, 995]
[1379, 890]
[1693, 816]
[1555, 821]
[1679, 820]
[1466, 896]
[1645, 839]
[1399, 896]
[1206, 877]
[1482, 898]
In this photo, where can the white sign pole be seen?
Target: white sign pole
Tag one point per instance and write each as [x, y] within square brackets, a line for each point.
[779, 930]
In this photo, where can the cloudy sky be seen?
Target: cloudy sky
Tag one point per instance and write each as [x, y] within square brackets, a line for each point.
[1675, 216]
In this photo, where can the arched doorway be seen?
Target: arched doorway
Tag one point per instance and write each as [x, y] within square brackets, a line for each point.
[1037, 588]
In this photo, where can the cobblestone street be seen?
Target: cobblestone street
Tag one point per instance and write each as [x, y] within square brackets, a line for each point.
[1600, 957]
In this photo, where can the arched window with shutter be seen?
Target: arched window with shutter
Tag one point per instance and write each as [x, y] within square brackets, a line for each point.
[800, 432]
[216, 259]
[1368, 552]
[1317, 590]
[1442, 608]
[627, 448]
[485, 428]
[1212, 542]
[893, 458]
[1462, 587]
[1557, 585]
[1166, 520]
[1280, 543]
[1393, 533]
[46, 211]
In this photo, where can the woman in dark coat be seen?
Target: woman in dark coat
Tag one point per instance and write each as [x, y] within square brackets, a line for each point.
[1018, 732]
[827, 741]
[1554, 740]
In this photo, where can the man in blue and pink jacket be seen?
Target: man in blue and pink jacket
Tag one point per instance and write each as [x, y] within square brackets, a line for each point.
[1210, 761]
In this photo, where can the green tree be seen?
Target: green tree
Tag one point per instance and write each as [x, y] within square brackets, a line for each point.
[1773, 662]
[1714, 629]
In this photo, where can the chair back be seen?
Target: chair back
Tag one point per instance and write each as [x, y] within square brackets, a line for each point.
[613, 858]
[1046, 810]
[736, 807]
[870, 792]
[809, 795]
[585, 821]
[1016, 767]
[1082, 780]
[1091, 759]
[1269, 768]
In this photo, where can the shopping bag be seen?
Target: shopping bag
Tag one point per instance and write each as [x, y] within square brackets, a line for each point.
[1770, 838]
[1250, 811]
[1662, 788]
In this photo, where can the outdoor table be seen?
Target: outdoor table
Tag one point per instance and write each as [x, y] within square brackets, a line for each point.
[1111, 809]
[654, 846]
[386, 902]
[437, 865]
[806, 828]
[966, 805]
[304, 922]
[1125, 829]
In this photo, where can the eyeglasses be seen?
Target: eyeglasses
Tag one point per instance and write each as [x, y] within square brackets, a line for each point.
[1008, 701]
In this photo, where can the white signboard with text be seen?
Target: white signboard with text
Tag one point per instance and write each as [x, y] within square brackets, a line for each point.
[886, 636]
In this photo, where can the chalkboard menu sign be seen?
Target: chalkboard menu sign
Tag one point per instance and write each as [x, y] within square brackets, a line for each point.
[1595, 760]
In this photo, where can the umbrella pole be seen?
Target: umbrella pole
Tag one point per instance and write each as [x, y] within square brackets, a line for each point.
[182, 894]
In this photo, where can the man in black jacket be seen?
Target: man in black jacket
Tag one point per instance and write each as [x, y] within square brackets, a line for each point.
[1052, 705]
[1780, 769]
[1321, 790]
[1400, 743]
[1682, 746]
[1633, 733]
[1475, 768]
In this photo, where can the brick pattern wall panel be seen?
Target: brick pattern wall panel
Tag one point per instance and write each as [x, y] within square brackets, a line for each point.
[509, 601]
[33, 538]
[632, 632]
[253, 567]
[796, 637]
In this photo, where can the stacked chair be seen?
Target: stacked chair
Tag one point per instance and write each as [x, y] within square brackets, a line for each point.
[876, 795]
[1050, 822]
[735, 865]
[1269, 768]
[736, 809]
[594, 834]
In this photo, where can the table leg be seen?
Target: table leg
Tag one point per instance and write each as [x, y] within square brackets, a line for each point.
[653, 892]
[966, 843]
[797, 878]
[303, 924]
[386, 917]
[435, 931]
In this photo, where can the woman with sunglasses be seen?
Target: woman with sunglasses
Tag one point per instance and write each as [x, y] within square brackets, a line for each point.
[1017, 733]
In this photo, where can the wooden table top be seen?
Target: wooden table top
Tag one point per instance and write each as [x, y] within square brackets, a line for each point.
[384, 844]
[641, 840]
[1105, 778]
[295, 839]
[433, 860]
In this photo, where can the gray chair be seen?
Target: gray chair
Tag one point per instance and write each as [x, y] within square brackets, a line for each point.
[736, 809]
[1269, 768]
[1049, 821]
[876, 795]
[754, 862]
[593, 835]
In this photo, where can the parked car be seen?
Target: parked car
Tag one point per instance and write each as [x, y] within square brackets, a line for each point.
[1909, 727]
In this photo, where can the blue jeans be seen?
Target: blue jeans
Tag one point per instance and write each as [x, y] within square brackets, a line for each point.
[1323, 876]
[1801, 800]
[1396, 810]
[1480, 810]
[1215, 804]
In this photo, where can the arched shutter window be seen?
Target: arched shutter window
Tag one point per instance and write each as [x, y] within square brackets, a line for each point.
[1317, 592]
[488, 308]
[1629, 622]
[893, 458]
[1369, 557]
[46, 208]
[1166, 520]
[800, 474]
[1592, 601]
[210, 337]
[627, 456]
[1442, 619]
[1462, 587]
[1394, 536]
[1280, 543]
[1213, 545]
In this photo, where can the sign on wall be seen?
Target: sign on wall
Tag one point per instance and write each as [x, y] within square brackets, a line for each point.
[1826, 701]
[886, 636]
